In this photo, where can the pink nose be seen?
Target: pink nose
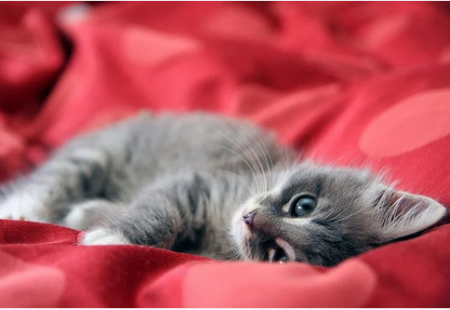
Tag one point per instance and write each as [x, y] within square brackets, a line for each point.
[248, 218]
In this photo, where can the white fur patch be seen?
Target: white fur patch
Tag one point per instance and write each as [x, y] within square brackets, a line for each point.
[89, 154]
[240, 232]
[76, 218]
[102, 236]
[299, 221]
[22, 206]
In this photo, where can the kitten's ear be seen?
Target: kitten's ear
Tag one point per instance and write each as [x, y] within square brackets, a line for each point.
[403, 214]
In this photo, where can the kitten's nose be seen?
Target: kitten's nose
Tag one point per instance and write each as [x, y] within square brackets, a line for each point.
[248, 218]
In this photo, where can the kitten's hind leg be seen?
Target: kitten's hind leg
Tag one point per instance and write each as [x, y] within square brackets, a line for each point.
[47, 194]
[88, 167]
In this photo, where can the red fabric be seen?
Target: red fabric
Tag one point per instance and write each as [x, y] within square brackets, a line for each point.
[363, 84]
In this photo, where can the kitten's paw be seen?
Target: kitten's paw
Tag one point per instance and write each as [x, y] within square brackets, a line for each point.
[86, 215]
[102, 236]
[21, 208]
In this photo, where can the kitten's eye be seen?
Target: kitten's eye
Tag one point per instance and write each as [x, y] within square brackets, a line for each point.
[303, 205]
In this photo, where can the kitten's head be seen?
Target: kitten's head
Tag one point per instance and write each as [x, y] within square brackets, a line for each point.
[322, 215]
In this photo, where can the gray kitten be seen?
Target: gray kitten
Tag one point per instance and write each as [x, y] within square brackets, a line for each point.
[212, 186]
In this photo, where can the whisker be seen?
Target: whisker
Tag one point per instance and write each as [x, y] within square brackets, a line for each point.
[250, 165]
[240, 156]
[256, 158]
[267, 157]
[351, 215]
[247, 187]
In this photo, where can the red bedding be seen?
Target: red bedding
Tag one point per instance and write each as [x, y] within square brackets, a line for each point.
[362, 84]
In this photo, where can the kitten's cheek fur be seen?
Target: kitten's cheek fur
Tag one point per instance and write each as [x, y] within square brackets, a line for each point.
[239, 231]
[102, 236]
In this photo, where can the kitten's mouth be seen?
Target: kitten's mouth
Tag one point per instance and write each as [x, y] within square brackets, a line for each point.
[280, 252]
[269, 249]
[277, 254]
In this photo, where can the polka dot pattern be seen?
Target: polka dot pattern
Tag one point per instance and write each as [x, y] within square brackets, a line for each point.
[410, 124]
[24, 285]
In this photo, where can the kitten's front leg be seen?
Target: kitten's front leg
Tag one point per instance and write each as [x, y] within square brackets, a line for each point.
[161, 216]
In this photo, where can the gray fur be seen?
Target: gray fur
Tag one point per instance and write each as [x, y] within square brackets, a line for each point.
[183, 182]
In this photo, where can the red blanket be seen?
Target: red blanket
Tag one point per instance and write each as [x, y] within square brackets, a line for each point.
[362, 84]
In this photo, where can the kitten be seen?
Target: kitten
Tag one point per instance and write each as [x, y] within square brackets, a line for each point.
[212, 186]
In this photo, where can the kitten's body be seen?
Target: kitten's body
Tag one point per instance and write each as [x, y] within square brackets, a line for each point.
[187, 182]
